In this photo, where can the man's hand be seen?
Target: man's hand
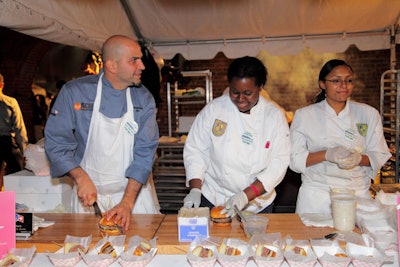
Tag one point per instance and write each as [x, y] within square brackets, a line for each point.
[122, 212]
[351, 161]
[240, 200]
[87, 192]
[334, 154]
[192, 199]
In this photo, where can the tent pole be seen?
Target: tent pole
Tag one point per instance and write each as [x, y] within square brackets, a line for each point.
[132, 20]
[393, 47]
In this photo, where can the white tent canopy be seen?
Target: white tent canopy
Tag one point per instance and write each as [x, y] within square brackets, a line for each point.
[198, 29]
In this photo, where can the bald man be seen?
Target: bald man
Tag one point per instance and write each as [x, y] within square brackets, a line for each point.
[102, 132]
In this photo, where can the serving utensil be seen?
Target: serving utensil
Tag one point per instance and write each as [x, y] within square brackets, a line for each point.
[242, 217]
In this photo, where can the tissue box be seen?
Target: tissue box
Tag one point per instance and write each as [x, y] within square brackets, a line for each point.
[40, 193]
[193, 222]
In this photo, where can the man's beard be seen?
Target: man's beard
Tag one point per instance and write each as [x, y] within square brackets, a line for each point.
[138, 84]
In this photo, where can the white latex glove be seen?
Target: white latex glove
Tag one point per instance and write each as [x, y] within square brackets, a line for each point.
[193, 199]
[351, 161]
[240, 200]
[334, 154]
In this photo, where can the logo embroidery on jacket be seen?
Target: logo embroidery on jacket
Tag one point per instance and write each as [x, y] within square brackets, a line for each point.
[362, 129]
[219, 127]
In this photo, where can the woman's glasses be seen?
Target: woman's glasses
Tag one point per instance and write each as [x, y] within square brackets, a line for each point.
[340, 82]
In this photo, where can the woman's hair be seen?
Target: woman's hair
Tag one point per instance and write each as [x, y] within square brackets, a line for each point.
[248, 67]
[325, 70]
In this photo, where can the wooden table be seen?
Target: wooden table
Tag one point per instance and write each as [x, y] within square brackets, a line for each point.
[50, 238]
[164, 227]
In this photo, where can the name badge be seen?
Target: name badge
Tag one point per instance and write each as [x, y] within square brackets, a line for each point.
[350, 134]
[247, 138]
[131, 128]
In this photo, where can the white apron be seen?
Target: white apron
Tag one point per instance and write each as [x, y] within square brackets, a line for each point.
[108, 153]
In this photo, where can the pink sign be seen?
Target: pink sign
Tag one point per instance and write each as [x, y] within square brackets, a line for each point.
[398, 223]
[7, 222]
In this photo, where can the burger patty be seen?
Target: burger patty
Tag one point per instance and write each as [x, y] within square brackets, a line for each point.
[222, 220]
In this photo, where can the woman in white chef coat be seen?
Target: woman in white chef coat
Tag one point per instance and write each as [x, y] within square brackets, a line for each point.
[238, 148]
[336, 142]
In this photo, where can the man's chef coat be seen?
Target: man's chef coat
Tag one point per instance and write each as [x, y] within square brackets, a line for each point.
[68, 125]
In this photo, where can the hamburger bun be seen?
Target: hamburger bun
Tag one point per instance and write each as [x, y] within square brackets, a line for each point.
[202, 252]
[109, 227]
[219, 219]
[143, 248]
[107, 248]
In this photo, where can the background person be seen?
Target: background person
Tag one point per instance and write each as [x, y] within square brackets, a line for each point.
[59, 85]
[13, 135]
[102, 132]
[238, 148]
[40, 111]
[336, 142]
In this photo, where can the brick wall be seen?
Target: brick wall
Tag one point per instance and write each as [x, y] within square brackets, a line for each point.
[19, 58]
[293, 80]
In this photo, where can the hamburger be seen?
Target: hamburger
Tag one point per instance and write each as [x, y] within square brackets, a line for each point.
[73, 247]
[219, 219]
[297, 250]
[228, 250]
[265, 251]
[109, 227]
[9, 260]
[107, 248]
[202, 252]
[143, 248]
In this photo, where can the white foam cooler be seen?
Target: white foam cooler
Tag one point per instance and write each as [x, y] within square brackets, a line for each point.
[40, 193]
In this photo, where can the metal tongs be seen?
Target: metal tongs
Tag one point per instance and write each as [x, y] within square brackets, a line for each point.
[242, 217]
[331, 236]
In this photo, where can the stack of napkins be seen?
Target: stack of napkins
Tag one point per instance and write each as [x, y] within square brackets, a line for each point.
[317, 219]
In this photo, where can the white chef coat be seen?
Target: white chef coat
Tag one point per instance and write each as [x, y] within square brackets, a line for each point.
[316, 128]
[108, 152]
[228, 150]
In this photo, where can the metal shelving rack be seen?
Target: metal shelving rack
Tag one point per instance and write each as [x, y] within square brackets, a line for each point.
[390, 113]
[175, 102]
[168, 169]
[169, 177]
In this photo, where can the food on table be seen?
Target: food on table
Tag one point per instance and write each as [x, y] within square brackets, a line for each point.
[9, 260]
[202, 252]
[265, 251]
[297, 250]
[107, 248]
[228, 250]
[342, 255]
[73, 247]
[109, 227]
[219, 219]
[143, 248]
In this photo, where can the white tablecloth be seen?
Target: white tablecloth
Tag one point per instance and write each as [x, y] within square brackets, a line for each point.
[41, 260]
